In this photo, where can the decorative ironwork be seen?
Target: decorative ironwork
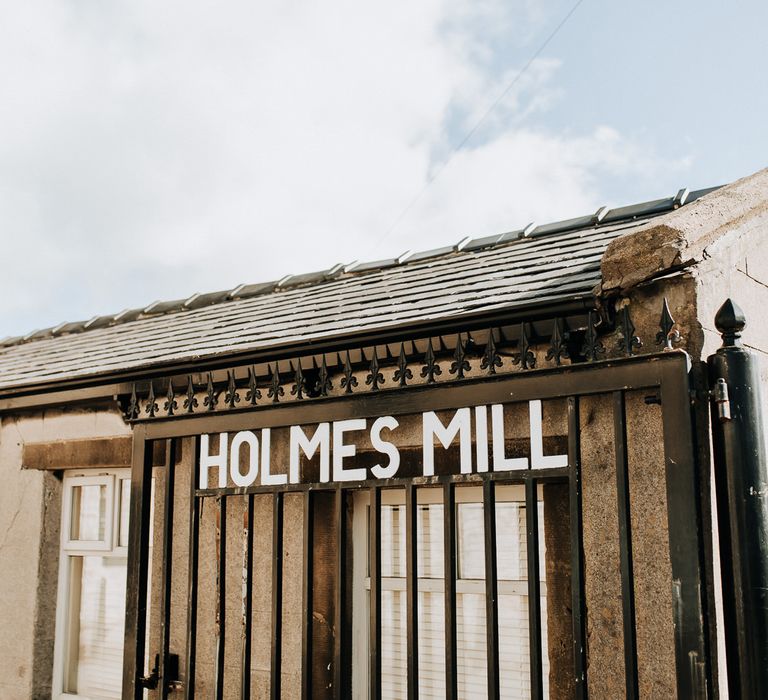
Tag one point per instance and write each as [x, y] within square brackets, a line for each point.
[628, 340]
[275, 389]
[349, 380]
[132, 413]
[211, 397]
[668, 333]
[491, 358]
[557, 348]
[430, 369]
[460, 364]
[403, 372]
[152, 407]
[232, 397]
[299, 381]
[170, 404]
[525, 357]
[323, 385]
[190, 403]
[592, 348]
[374, 377]
[253, 394]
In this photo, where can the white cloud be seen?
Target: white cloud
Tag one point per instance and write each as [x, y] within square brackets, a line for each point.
[153, 150]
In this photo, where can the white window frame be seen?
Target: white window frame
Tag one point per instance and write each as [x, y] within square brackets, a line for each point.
[108, 547]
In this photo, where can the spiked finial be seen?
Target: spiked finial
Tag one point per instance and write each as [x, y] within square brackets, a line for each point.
[430, 369]
[170, 404]
[491, 359]
[349, 380]
[299, 382]
[253, 394]
[730, 322]
[460, 364]
[557, 349]
[592, 347]
[151, 403]
[667, 334]
[525, 357]
[628, 341]
[374, 377]
[132, 413]
[232, 396]
[324, 384]
[211, 398]
[403, 372]
[275, 390]
[190, 402]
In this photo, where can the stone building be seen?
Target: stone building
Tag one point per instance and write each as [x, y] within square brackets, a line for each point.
[478, 471]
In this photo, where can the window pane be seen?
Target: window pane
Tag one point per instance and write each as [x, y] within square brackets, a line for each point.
[511, 548]
[97, 609]
[470, 525]
[124, 505]
[89, 513]
[470, 637]
[431, 645]
[429, 533]
[394, 666]
[393, 541]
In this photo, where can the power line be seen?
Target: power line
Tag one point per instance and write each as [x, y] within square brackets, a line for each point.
[479, 123]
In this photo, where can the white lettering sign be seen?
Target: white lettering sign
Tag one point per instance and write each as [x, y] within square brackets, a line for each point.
[247, 458]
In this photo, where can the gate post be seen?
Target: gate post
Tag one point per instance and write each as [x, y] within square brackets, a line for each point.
[741, 478]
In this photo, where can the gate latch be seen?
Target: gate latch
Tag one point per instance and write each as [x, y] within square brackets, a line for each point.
[720, 396]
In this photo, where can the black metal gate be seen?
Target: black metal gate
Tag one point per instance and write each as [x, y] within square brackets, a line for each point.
[663, 377]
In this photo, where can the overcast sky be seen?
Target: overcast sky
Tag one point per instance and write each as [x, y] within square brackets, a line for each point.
[155, 149]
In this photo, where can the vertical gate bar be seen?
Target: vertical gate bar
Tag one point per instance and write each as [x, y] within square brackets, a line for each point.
[686, 546]
[138, 562]
[165, 584]
[277, 595]
[307, 603]
[245, 682]
[625, 544]
[194, 537]
[579, 617]
[221, 595]
[412, 591]
[534, 588]
[449, 573]
[339, 613]
[375, 594]
[491, 589]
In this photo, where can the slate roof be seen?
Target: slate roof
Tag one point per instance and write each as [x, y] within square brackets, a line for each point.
[549, 264]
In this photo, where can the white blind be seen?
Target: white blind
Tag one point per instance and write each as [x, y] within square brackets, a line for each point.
[98, 604]
[514, 653]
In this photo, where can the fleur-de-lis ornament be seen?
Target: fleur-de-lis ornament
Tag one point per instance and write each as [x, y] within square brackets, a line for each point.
[524, 357]
[151, 408]
[253, 394]
[628, 340]
[349, 380]
[211, 398]
[431, 369]
[324, 384]
[132, 412]
[460, 364]
[374, 377]
[403, 372]
[299, 382]
[592, 348]
[170, 404]
[275, 389]
[190, 402]
[491, 359]
[557, 348]
[668, 334]
[232, 397]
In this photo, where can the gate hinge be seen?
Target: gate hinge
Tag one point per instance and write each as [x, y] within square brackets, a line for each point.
[719, 394]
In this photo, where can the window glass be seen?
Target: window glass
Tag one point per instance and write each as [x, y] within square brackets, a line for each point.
[89, 513]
